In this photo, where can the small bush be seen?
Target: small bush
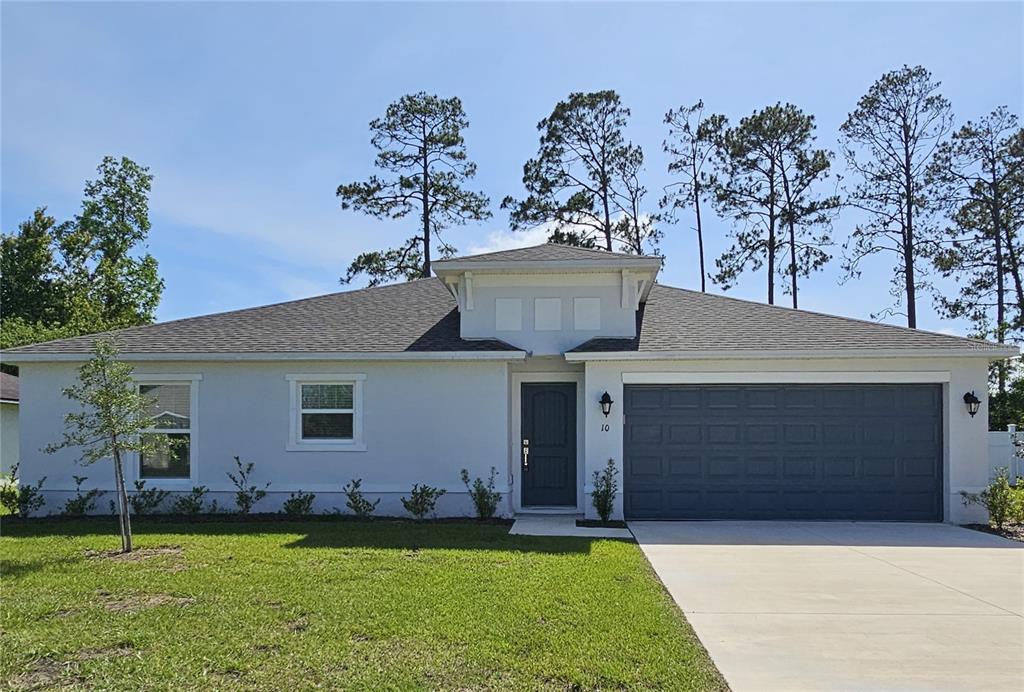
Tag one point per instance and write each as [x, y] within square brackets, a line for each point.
[422, 500]
[20, 498]
[298, 504]
[247, 495]
[82, 503]
[605, 487]
[485, 497]
[1004, 502]
[146, 500]
[190, 502]
[356, 501]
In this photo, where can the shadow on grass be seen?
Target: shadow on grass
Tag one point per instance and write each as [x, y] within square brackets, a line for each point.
[316, 533]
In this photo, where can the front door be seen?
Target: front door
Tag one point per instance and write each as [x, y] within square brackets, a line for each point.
[548, 452]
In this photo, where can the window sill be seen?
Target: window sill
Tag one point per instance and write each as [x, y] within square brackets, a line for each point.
[325, 447]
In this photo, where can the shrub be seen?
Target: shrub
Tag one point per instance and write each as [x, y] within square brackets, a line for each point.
[485, 497]
[20, 498]
[190, 502]
[356, 501]
[605, 487]
[298, 504]
[422, 500]
[246, 495]
[146, 501]
[1004, 502]
[82, 503]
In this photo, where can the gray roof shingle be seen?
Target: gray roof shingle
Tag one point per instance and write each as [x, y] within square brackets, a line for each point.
[676, 319]
[417, 316]
[549, 252]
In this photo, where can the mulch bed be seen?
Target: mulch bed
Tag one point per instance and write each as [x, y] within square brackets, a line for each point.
[597, 524]
[245, 518]
[1015, 532]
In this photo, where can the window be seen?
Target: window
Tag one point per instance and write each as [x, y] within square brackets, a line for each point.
[326, 412]
[173, 409]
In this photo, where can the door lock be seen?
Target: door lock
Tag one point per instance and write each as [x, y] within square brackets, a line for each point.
[526, 455]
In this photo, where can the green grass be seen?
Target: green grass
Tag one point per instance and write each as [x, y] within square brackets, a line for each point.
[296, 605]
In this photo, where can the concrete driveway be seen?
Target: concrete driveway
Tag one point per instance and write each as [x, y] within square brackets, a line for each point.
[847, 606]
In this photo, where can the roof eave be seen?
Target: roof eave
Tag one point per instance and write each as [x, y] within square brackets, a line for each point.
[990, 354]
[443, 267]
[17, 358]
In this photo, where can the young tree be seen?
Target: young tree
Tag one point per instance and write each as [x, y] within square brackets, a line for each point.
[888, 141]
[692, 141]
[419, 140]
[978, 177]
[584, 182]
[767, 169]
[111, 421]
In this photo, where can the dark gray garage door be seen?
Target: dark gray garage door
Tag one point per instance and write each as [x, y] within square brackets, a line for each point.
[783, 452]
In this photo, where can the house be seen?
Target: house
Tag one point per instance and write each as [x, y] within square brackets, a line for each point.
[8, 421]
[544, 363]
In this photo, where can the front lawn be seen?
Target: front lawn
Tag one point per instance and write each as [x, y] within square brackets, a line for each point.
[383, 605]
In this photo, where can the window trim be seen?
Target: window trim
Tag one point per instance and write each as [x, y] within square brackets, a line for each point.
[295, 441]
[193, 380]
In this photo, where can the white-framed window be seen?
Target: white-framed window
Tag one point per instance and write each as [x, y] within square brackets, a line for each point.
[174, 409]
[326, 413]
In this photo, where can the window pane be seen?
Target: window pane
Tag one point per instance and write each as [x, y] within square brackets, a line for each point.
[327, 426]
[169, 462]
[327, 396]
[171, 404]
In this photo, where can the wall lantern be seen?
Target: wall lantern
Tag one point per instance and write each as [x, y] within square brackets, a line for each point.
[973, 403]
[606, 404]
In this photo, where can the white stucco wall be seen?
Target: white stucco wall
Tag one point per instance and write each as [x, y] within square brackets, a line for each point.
[8, 436]
[423, 422]
[479, 320]
[965, 438]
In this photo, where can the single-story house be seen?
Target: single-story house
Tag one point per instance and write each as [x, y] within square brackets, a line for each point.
[544, 363]
[8, 421]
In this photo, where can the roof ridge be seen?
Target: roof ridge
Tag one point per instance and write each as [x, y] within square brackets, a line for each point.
[568, 248]
[845, 318]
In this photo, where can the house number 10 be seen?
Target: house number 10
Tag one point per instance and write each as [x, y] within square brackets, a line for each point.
[605, 427]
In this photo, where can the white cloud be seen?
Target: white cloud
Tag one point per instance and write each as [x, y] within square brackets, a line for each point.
[510, 240]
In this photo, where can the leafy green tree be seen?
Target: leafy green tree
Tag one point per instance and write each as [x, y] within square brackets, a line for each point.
[767, 171]
[692, 141]
[978, 177]
[420, 144]
[1007, 406]
[888, 141]
[30, 288]
[585, 181]
[84, 275]
[110, 423]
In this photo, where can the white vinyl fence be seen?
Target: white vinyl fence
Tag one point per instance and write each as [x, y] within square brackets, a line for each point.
[1001, 452]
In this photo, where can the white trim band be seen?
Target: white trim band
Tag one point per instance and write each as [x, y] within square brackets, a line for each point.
[761, 377]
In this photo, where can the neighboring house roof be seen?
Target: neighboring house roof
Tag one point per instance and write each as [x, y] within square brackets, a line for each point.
[544, 253]
[9, 388]
[676, 320]
[414, 317]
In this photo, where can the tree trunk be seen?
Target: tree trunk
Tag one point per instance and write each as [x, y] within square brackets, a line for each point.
[997, 231]
[700, 232]
[122, 502]
[792, 237]
[771, 259]
[910, 284]
[607, 220]
[425, 273]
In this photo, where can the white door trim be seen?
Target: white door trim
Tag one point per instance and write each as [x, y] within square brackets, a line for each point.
[792, 377]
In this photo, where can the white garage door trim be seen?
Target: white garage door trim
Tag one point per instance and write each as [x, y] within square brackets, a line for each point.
[803, 377]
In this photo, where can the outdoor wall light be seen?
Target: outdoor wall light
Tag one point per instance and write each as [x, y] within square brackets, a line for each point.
[606, 404]
[973, 403]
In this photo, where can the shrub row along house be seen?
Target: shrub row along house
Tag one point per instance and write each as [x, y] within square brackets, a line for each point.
[546, 362]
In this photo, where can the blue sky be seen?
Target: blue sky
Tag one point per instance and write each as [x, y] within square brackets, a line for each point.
[250, 114]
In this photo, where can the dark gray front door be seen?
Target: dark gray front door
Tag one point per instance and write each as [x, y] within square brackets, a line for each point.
[548, 454]
[783, 452]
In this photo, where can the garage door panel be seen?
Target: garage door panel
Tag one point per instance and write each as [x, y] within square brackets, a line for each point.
[783, 452]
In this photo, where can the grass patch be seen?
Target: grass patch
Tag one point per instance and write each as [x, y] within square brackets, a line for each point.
[384, 605]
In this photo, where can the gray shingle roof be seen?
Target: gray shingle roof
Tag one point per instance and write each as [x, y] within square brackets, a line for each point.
[548, 252]
[676, 319]
[9, 387]
[418, 316]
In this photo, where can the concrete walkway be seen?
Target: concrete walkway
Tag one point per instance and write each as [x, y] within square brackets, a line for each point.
[561, 525]
[847, 606]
